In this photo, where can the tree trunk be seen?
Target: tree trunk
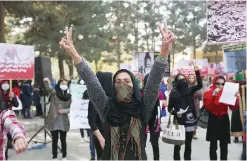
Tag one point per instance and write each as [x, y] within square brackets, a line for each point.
[60, 66]
[2, 25]
[96, 65]
[194, 47]
[147, 37]
[216, 56]
[71, 68]
[136, 30]
[118, 55]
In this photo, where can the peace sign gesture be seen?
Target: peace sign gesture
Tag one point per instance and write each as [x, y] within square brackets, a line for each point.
[196, 68]
[67, 44]
[167, 39]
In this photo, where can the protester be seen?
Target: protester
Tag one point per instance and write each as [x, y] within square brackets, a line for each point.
[97, 126]
[57, 119]
[218, 123]
[197, 97]
[36, 101]
[16, 89]
[9, 100]
[125, 113]
[154, 125]
[26, 99]
[89, 132]
[181, 98]
[237, 115]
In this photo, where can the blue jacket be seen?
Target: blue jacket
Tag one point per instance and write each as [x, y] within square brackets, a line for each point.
[26, 94]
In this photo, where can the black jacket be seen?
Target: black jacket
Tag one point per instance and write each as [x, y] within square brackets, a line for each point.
[105, 79]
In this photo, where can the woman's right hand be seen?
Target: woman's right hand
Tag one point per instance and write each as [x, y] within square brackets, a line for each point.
[46, 80]
[102, 142]
[67, 44]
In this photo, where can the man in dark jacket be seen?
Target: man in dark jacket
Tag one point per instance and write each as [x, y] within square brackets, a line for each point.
[26, 98]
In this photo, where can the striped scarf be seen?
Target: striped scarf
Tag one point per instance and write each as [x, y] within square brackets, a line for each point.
[133, 136]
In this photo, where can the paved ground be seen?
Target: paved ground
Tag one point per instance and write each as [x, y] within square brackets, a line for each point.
[80, 151]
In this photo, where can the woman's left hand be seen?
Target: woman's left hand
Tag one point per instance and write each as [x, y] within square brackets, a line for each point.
[61, 111]
[167, 39]
[20, 145]
[196, 68]
[237, 95]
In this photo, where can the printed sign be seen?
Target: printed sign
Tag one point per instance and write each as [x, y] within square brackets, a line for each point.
[226, 21]
[78, 114]
[234, 58]
[79, 107]
[16, 62]
[77, 90]
[186, 67]
[126, 66]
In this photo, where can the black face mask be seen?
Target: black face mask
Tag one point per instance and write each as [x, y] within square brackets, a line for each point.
[181, 84]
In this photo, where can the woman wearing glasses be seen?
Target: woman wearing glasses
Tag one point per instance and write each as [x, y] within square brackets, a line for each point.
[218, 123]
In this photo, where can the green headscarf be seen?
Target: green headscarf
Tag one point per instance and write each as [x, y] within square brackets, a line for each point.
[239, 76]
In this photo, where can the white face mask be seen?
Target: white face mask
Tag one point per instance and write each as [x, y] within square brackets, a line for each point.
[63, 87]
[5, 86]
[82, 82]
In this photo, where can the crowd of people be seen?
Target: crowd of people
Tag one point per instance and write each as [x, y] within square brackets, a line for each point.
[123, 109]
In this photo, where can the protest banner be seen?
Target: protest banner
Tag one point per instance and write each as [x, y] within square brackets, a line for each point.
[212, 69]
[16, 62]
[145, 62]
[186, 67]
[234, 58]
[226, 21]
[78, 107]
[78, 114]
[126, 66]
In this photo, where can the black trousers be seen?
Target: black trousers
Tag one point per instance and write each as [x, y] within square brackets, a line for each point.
[82, 132]
[223, 150]
[9, 145]
[98, 147]
[55, 134]
[187, 152]
[243, 156]
[154, 139]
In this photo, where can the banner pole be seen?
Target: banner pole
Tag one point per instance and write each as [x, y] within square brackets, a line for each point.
[10, 87]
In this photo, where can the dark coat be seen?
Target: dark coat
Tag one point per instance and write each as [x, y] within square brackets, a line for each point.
[26, 94]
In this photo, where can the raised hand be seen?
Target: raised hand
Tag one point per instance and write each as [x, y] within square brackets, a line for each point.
[46, 80]
[67, 44]
[167, 39]
[196, 68]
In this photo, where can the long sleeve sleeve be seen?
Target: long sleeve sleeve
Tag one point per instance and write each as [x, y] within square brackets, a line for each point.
[92, 117]
[12, 125]
[95, 91]
[49, 88]
[209, 101]
[66, 111]
[152, 87]
[199, 82]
